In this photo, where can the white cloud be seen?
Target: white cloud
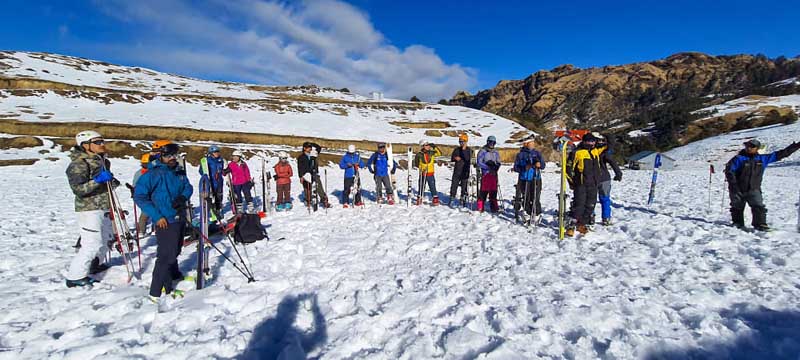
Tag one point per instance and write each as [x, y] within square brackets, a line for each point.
[325, 42]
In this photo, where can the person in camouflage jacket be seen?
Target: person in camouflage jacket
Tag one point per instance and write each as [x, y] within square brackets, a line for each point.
[89, 175]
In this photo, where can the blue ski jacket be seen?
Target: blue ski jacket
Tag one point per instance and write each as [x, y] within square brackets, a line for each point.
[744, 172]
[528, 157]
[347, 163]
[381, 164]
[158, 188]
[215, 172]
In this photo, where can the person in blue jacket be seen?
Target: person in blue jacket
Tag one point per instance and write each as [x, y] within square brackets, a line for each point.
[162, 193]
[351, 162]
[744, 174]
[528, 164]
[213, 166]
[378, 165]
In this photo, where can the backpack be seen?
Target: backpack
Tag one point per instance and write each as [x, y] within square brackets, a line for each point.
[248, 229]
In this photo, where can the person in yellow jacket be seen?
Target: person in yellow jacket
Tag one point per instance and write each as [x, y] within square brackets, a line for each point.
[584, 173]
[425, 161]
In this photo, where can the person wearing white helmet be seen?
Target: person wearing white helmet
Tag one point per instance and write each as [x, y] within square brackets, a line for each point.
[240, 180]
[425, 161]
[283, 182]
[351, 162]
[88, 175]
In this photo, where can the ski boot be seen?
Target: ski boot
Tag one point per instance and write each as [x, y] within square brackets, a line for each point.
[96, 267]
[358, 204]
[390, 200]
[287, 206]
[480, 205]
[583, 229]
[762, 227]
[346, 206]
[279, 207]
[570, 231]
[87, 281]
[435, 201]
[607, 222]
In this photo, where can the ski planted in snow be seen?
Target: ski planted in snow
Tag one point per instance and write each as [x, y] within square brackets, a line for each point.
[562, 194]
[390, 156]
[409, 154]
[656, 165]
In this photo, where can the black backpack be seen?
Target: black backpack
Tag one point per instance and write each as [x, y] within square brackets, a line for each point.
[248, 229]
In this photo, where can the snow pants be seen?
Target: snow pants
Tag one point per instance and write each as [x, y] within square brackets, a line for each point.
[459, 183]
[95, 233]
[348, 184]
[383, 182]
[323, 198]
[284, 193]
[170, 242]
[488, 188]
[583, 201]
[245, 188]
[604, 195]
[532, 198]
[756, 202]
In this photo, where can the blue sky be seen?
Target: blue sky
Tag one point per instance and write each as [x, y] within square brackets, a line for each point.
[424, 48]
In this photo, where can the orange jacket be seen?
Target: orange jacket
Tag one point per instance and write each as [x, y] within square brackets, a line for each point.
[283, 173]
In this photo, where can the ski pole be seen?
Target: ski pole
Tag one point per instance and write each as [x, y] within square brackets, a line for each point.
[325, 171]
[710, 173]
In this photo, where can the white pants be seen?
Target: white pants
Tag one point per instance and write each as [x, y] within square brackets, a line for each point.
[95, 233]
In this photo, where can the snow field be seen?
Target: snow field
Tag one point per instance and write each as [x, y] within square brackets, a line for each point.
[422, 282]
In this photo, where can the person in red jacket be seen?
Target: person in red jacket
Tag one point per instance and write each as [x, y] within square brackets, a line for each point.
[283, 182]
[240, 179]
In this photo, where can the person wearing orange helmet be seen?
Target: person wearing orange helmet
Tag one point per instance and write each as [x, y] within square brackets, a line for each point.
[461, 159]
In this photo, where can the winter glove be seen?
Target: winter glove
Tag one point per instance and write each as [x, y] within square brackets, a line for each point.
[103, 177]
[307, 177]
[179, 203]
[618, 177]
[130, 187]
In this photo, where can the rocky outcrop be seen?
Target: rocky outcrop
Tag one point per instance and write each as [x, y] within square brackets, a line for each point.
[596, 97]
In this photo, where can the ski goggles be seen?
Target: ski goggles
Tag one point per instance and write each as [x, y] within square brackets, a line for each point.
[98, 142]
[169, 150]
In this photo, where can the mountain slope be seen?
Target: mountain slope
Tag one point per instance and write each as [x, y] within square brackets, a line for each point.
[661, 93]
[50, 88]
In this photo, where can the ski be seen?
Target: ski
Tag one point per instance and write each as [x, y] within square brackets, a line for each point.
[409, 153]
[119, 226]
[656, 165]
[390, 156]
[562, 195]
[202, 254]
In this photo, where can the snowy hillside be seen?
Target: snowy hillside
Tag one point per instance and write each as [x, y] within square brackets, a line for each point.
[669, 281]
[42, 87]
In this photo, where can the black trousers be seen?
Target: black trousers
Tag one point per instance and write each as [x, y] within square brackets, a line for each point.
[170, 243]
[533, 197]
[756, 202]
[459, 183]
[583, 201]
[348, 183]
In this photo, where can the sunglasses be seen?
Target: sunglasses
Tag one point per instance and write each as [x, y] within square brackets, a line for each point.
[98, 142]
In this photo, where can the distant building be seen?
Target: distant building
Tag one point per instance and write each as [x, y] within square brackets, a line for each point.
[377, 96]
[646, 159]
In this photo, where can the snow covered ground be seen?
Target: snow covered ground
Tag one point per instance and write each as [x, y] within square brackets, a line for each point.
[666, 281]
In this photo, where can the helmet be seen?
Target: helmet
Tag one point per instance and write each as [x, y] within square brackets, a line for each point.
[463, 137]
[491, 139]
[159, 143]
[283, 155]
[213, 149]
[85, 136]
[169, 149]
[597, 135]
[351, 148]
[753, 143]
[145, 158]
[381, 145]
[237, 153]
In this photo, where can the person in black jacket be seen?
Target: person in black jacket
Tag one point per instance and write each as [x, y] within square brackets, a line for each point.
[583, 174]
[604, 187]
[461, 159]
[744, 174]
[307, 169]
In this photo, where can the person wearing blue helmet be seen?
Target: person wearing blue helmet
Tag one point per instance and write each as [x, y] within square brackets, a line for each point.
[212, 166]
